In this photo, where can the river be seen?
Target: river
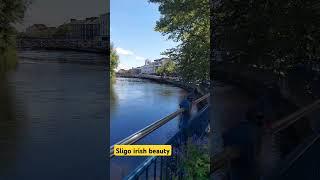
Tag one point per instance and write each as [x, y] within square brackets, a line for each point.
[136, 103]
[53, 117]
[53, 126]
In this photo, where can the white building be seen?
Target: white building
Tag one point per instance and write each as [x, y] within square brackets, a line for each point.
[160, 62]
[151, 67]
[148, 68]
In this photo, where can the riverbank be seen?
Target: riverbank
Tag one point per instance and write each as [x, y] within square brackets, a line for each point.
[85, 50]
[159, 79]
[174, 81]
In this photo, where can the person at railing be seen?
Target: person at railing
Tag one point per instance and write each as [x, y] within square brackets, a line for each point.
[186, 104]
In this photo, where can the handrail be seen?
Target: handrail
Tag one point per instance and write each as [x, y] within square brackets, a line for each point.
[143, 167]
[275, 127]
[290, 119]
[145, 131]
[152, 127]
[201, 99]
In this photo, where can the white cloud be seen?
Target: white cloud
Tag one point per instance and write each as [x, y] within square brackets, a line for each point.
[123, 66]
[128, 58]
[124, 52]
[140, 58]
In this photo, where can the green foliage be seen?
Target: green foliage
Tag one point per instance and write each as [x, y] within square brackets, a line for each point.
[11, 12]
[273, 34]
[187, 22]
[114, 60]
[168, 68]
[8, 58]
[62, 31]
[195, 162]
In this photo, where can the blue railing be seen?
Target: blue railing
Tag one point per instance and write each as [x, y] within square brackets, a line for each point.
[165, 167]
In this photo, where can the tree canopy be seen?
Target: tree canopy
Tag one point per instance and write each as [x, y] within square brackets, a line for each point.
[168, 68]
[11, 12]
[273, 34]
[62, 31]
[188, 23]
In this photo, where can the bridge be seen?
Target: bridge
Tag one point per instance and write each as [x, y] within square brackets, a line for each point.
[95, 46]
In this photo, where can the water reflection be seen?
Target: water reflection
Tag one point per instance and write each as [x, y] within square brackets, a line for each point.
[8, 129]
[113, 95]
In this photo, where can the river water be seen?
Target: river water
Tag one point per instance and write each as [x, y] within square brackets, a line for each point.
[53, 117]
[136, 103]
[53, 124]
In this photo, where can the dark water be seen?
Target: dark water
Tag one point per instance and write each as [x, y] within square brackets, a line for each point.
[136, 103]
[53, 118]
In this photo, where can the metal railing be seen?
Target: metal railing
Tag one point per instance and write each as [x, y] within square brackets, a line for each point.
[157, 167]
[222, 160]
[292, 118]
[152, 127]
[145, 131]
[166, 167]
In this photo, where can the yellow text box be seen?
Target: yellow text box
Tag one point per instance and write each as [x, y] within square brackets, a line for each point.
[142, 150]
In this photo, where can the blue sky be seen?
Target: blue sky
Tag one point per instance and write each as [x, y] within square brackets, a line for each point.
[132, 32]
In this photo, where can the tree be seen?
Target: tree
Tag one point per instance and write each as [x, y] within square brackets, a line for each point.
[11, 12]
[114, 60]
[62, 31]
[168, 68]
[270, 34]
[188, 23]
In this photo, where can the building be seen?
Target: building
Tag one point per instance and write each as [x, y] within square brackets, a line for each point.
[152, 67]
[104, 30]
[91, 28]
[40, 30]
[136, 70]
[87, 29]
[104, 25]
[148, 68]
[76, 29]
[160, 62]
